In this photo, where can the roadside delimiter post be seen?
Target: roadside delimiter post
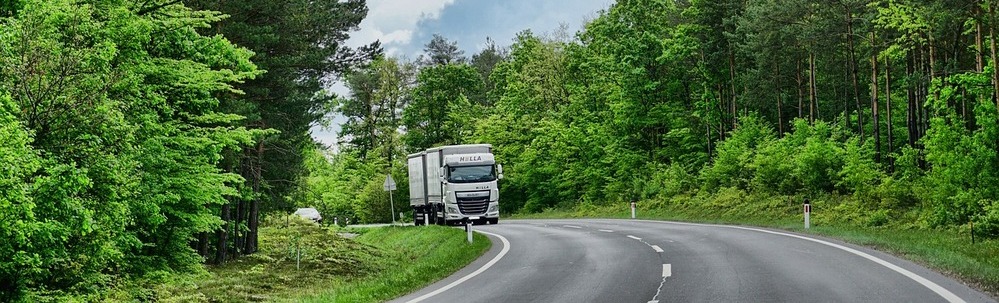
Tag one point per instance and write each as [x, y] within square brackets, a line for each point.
[808, 212]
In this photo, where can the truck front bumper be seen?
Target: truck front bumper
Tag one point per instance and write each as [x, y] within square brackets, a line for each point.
[453, 214]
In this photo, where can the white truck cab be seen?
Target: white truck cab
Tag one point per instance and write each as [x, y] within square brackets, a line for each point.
[452, 184]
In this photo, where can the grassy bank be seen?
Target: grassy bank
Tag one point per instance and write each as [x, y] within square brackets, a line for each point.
[377, 265]
[946, 250]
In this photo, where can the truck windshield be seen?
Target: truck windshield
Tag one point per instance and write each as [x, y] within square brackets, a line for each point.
[468, 174]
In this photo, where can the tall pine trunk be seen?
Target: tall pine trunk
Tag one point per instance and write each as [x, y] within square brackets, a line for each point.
[874, 104]
[222, 236]
[801, 92]
[780, 101]
[979, 41]
[853, 74]
[253, 217]
[992, 44]
[731, 72]
[891, 137]
[910, 114]
[813, 104]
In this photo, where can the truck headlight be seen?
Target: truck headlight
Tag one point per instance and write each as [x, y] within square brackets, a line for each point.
[452, 209]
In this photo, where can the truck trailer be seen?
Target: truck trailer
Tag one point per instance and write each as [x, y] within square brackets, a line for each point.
[453, 184]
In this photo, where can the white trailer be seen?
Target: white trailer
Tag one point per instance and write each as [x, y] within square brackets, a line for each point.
[455, 183]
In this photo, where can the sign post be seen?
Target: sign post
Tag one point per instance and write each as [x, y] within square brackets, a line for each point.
[389, 186]
[808, 212]
[633, 210]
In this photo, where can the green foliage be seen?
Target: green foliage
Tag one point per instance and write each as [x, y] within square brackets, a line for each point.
[120, 171]
[962, 161]
[438, 113]
[733, 165]
[18, 223]
[987, 223]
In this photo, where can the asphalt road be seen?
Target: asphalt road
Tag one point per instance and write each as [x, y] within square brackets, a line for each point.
[644, 261]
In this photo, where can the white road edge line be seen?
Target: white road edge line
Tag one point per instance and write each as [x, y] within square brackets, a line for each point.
[606, 230]
[571, 226]
[667, 270]
[657, 248]
[636, 238]
[506, 248]
[940, 290]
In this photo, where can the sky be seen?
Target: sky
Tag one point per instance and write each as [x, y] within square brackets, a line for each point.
[405, 26]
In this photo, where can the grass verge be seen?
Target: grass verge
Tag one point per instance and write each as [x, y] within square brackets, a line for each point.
[378, 265]
[946, 250]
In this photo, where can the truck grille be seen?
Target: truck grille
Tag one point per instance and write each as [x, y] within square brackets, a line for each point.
[471, 206]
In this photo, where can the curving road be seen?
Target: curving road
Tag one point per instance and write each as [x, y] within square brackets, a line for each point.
[647, 261]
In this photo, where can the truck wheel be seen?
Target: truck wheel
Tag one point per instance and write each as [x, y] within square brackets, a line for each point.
[442, 220]
[417, 221]
[494, 221]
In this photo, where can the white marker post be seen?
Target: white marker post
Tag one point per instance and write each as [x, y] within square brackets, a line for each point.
[633, 205]
[389, 186]
[468, 227]
[808, 212]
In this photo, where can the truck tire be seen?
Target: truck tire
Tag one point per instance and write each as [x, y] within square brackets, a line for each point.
[494, 221]
[442, 220]
[417, 221]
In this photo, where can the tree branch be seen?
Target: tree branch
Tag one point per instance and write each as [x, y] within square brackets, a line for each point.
[145, 11]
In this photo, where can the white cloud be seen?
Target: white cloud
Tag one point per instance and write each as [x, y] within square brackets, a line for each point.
[392, 21]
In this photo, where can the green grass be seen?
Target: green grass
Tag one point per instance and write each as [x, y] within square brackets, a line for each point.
[419, 257]
[378, 265]
[946, 250]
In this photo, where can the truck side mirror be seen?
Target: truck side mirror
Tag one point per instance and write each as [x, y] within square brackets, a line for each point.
[500, 176]
[499, 168]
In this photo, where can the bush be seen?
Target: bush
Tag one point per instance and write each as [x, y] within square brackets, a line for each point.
[732, 165]
[665, 181]
[987, 224]
[774, 167]
[859, 174]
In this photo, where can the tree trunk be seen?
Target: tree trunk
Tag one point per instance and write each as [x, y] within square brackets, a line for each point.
[801, 92]
[707, 131]
[731, 73]
[780, 101]
[252, 219]
[922, 95]
[992, 44]
[203, 243]
[979, 43]
[721, 112]
[222, 235]
[891, 138]
[874, 104]
[933, 70]
[853, 73]
[910, 114]
[812, 98]
[239, 236]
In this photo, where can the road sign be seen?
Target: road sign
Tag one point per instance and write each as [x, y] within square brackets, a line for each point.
[389, 184]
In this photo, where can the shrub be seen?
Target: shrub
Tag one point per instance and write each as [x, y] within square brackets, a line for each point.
[987, 224]
[732, 165]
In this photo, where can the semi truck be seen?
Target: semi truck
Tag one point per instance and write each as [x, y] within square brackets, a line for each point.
[454, 184]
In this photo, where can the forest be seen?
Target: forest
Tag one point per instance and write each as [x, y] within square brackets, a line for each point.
[141, 139]
[884, 111]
